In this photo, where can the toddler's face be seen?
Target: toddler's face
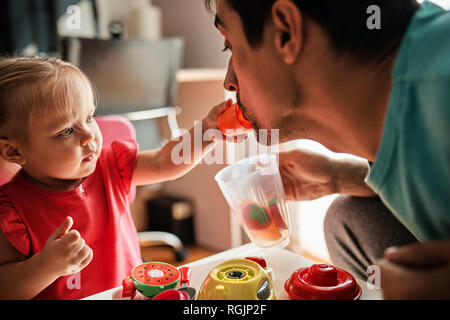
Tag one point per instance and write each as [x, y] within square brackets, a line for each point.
[65, 147]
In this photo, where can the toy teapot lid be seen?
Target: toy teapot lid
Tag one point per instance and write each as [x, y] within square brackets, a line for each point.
[322, 282]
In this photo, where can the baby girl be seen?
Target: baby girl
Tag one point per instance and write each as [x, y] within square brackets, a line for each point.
[66, 212]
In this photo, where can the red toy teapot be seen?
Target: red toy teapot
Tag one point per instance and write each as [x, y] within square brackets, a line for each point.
[322, 282]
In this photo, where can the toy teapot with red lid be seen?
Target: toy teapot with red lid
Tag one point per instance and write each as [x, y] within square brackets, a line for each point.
[322, 282]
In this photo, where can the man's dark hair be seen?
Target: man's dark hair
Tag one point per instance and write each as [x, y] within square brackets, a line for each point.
[345, 22]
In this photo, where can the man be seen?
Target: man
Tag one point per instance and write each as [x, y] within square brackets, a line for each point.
[323, 70]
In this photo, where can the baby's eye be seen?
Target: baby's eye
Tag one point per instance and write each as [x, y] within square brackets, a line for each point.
[90, 118]
[66, 132]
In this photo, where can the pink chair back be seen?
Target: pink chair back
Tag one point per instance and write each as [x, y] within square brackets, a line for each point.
[7, 170]
[112, 128]
[117, 128]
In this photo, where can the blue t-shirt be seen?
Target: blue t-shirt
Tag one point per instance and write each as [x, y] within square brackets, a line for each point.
[411, 171]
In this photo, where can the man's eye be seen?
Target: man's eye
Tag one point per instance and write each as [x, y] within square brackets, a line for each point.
[66, 132]
[226, 48]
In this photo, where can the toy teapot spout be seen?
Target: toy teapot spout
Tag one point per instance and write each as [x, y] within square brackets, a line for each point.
[221, 292]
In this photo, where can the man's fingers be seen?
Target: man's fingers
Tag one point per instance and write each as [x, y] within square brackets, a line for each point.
[391, 280]
[62, 229]
[285, 177]
[398, 282]
[289, 188]
[292, 156]
[420, 255]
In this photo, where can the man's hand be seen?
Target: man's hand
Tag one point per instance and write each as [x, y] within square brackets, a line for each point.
[309, 174]
[418, 271]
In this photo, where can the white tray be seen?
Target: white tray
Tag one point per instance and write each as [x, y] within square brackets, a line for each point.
[283, 263]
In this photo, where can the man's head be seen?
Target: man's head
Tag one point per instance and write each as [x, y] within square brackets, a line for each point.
[286, 53]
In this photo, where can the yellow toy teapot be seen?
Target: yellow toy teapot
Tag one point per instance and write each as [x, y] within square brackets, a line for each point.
[239, 279]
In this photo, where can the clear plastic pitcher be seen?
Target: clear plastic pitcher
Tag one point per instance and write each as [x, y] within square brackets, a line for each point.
[254, 191]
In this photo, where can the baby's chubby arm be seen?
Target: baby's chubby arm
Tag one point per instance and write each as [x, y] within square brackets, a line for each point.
[158, 165]
[64, 253]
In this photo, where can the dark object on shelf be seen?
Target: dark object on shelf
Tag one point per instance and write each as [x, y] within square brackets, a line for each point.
[116, 29]
[174, 215]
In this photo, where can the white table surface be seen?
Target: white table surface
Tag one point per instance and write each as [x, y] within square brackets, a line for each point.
[283, 263]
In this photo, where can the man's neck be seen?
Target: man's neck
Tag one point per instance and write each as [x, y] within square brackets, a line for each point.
[360, 97]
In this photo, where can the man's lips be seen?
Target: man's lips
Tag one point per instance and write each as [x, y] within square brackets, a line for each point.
[244, 110]
[244, 114]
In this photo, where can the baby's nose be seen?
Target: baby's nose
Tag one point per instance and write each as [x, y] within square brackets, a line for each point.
[87, 136]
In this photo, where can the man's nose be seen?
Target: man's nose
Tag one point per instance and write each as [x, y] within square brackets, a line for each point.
[230, 83]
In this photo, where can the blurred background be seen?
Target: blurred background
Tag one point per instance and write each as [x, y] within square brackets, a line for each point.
[160, 65]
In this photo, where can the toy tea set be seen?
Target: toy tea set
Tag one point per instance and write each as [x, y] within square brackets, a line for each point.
[254, 191]
[240, 279]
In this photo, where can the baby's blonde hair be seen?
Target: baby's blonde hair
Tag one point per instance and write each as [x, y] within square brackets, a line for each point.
[30, 87]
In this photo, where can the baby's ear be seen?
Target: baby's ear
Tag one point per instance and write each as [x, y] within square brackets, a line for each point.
[10, 151]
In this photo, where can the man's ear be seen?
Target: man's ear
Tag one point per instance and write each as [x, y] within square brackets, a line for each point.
[288, 22]
[10, 151]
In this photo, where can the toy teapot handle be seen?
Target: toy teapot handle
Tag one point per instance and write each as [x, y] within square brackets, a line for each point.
[259, 260]
[185, 275]
[262, 262]
[128, 288]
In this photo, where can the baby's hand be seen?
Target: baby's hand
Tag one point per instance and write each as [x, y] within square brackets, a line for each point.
[65, 251]
[211, 122]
